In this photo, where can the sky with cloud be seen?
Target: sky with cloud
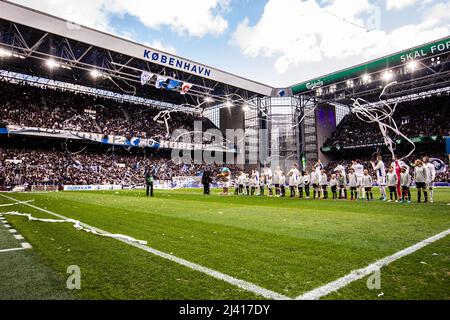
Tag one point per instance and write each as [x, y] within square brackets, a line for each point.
[278, 42]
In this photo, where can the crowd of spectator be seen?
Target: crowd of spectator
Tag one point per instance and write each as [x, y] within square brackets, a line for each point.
[19, 166]
[420, 118]
[32, 106]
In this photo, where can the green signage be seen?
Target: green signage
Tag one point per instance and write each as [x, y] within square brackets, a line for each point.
[420, 52]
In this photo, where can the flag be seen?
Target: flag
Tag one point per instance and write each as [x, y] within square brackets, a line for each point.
[160, 80]
[146, 77]
[185, 88]
[439, 165]
[281, 92]
[173, 84]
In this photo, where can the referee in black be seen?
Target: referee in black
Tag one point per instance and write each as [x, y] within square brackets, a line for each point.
[206, 181]
[149, 182]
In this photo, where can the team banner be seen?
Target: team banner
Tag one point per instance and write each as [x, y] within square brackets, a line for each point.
[185, 88]
[146, 77]
[114, 140]
[160, 81]
[439, 165]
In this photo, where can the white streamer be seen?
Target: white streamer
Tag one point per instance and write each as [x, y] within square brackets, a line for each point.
[383, 115]
[15, 204]
[76, 224]
[165, 115]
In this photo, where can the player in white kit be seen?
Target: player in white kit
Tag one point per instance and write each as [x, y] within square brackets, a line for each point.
[431, 175]
[293, 179]
[380, 170]
[359, 172]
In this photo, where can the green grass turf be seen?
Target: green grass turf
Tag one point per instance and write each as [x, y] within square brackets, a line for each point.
[23, 275]
[289, 246]
[423, 275]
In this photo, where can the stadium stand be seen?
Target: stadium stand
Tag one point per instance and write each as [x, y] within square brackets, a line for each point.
[49, 108]
[418, 118]
[54, 166]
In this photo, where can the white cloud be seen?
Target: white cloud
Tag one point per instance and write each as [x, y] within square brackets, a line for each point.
[297, 32]
[195, 18]
[89, 13]
[439, 12]
[400, 4]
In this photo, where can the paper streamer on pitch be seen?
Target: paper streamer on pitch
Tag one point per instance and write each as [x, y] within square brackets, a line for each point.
[76, 224]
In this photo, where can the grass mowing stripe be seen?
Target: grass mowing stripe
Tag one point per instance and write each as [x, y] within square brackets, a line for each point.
[361, 273]
[213, 273]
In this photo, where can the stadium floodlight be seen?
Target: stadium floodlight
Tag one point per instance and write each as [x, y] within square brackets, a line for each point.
[229, 104]
[5, 53]
[387, 76]
[412, 65]
[319, 92]
[366, 78]
[52, 64]
[209, 99]
[245, 108]
[350, 84]
[95, 73]
[333, 88]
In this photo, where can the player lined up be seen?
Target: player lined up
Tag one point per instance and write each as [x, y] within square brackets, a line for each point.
[354, 185]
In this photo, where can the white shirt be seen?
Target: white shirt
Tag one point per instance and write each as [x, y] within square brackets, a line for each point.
[367, 181]
[293, 176]
[359, 169]
[255, 176]
[323, 180]
[405, 179]
[340, 168]
[352, 180]
[431, 172]
[391, 179]
[380, 170]
[268, 173]
[315, 177]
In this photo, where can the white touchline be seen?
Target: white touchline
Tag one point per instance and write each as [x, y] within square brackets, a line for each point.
[14, 249]
[361, 273]
[210, 272]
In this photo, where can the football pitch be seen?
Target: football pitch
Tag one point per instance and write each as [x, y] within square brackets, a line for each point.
[217, 247]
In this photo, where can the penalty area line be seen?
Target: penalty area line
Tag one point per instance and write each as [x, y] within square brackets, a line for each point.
[242, 284]
[355, 275]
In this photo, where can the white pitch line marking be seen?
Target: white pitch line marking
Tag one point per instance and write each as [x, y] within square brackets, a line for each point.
[13, 249]
[361, 273]
[193, 266]
[18, 237]
[8, 226]
[26, 245]
[12, 230]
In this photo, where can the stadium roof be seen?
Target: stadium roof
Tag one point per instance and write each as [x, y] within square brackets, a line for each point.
[425, 67]
[74, 51]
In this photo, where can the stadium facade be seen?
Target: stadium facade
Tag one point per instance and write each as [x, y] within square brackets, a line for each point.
[290, 124]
